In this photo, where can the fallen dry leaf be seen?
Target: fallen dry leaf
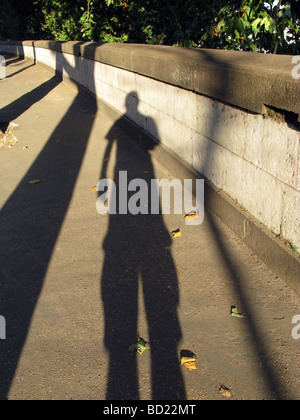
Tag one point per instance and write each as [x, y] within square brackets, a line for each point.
[225, 391]
[7, 138]
[188, 359]
[190, 365]
[35, 181]
[140, 346]
[176, 233]
[234, 312]
[192, 215]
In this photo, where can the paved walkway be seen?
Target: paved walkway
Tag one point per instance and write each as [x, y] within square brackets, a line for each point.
[77, 287]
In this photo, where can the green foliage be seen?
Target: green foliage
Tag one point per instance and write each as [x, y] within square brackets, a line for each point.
[255, 25]
[250, 25]
[61, 20]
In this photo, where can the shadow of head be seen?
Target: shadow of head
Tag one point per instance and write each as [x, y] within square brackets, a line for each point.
[148, 132]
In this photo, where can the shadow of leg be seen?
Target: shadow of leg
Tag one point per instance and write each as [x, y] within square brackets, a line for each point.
[119, 295]
[161, 296]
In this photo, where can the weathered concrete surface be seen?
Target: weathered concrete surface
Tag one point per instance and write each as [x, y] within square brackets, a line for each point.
[209, 72]
[77, 287]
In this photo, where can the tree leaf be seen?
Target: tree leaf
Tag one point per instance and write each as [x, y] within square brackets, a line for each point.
[254, 26]
[241, 26]
[221, 26]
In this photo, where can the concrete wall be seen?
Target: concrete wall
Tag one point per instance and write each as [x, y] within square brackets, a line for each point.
[231, 116]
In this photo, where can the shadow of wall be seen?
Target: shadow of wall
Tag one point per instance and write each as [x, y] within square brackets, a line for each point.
[269, 373]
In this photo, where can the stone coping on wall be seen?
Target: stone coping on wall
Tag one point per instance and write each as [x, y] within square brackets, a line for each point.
[246, 80]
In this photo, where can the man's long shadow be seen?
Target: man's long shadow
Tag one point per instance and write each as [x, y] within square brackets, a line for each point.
[138, 255]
